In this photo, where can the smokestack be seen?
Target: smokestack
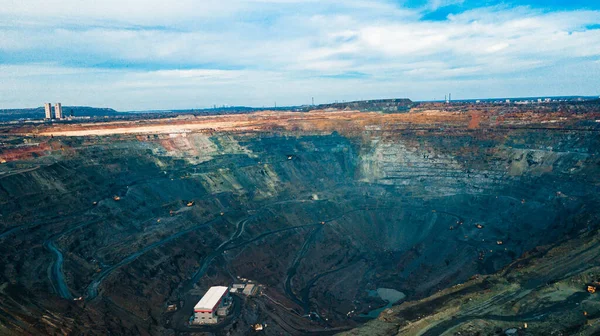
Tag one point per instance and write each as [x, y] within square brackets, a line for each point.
[48, 110]
[58, 111]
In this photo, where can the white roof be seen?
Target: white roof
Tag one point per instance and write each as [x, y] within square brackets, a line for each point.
[249, 288]
[211, 298]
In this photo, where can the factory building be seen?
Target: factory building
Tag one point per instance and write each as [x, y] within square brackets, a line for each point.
[249, 290]
[58, 111]
[48, 110]
[214, 304]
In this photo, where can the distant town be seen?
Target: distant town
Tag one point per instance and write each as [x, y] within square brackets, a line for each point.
[58, 113]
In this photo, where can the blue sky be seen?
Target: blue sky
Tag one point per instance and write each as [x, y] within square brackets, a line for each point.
[151, 54]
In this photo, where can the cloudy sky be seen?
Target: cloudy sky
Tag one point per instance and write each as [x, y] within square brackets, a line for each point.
[157, 54]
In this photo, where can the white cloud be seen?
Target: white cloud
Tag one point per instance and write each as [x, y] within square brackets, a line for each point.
[285, 47]
[497, 47]
[436, 4]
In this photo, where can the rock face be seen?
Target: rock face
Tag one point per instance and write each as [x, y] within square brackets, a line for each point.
[544, 293]
[133, 222]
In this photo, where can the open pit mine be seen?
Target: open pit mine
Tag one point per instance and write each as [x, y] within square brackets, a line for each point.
[441, 219]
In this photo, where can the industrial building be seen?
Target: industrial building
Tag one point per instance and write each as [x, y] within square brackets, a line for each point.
[58, 111]
[237, 287]
[48, 110]
[249, 290]
[214, 304]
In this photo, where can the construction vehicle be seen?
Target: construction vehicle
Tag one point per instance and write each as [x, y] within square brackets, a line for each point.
[592, 288]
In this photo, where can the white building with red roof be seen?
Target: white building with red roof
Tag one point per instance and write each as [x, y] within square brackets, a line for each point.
[205, 311]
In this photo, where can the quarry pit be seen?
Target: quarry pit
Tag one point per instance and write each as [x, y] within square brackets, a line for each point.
[103, 225]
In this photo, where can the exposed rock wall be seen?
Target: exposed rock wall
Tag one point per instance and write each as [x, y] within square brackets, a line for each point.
[318, 218]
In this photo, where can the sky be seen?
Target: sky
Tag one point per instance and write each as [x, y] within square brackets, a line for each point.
[156, 54]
